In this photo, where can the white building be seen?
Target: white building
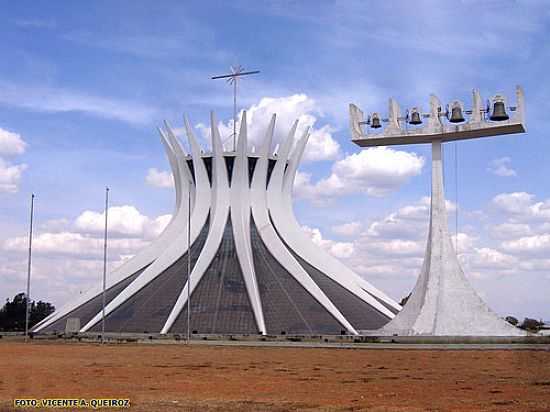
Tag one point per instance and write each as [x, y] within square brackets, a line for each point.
[253, 269]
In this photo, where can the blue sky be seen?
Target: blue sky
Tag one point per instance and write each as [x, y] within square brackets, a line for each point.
[84, 86]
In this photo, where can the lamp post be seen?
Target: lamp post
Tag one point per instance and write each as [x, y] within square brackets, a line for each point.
[189, 263]
[104, 266]
[28, 300]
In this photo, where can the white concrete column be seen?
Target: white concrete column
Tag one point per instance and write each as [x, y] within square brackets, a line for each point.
[443, 303]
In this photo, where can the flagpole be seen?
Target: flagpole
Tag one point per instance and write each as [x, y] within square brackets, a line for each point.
[27, 309]
[189, 265]
[104, 266]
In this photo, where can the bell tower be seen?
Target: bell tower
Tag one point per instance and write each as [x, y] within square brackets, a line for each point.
[443, 303]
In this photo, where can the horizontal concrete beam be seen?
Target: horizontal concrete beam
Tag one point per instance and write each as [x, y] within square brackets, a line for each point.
[448, 136]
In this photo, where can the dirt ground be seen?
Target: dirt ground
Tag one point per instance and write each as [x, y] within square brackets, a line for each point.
[211, 378]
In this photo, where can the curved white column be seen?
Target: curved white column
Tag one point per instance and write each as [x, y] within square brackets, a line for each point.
[288, 184]
[215, 197]
[203, 195]
[240, 219]
[218, 220]
[145, 256]
[178, 246]
[181, 157]
[280, 207]
[174, 165]
[272, 241]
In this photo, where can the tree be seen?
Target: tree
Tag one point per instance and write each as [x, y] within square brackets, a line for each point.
[12, 315]
[532, 325]
[510, 319]
[405, 300]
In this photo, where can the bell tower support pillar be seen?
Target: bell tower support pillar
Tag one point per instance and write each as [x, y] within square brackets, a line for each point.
[443, 302]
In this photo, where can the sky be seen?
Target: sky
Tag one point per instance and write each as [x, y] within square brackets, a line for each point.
[84, 86]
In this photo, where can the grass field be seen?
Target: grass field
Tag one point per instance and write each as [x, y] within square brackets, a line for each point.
[213, 378]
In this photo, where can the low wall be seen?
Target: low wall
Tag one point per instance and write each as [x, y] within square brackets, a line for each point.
[313, 339]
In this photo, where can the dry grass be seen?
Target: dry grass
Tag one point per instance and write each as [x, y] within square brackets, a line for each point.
[209, 378]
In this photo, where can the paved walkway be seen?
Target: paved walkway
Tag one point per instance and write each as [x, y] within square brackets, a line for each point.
[385, 346]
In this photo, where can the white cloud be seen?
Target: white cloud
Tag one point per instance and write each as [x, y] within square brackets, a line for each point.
[408, 222]
[380, 169]
[404, 224]
[527, 231]
[55, 225]
[122, 220]
[392, 247]
[55, 278]
[465, 242]
[396, 248]
[11, 143]
[159, 178]
[68, 254]
[534, 264]
[56, 100]
[340, 250]
[521, 206]
[10, 176]
[375, 171]
[537, 245]
[509, 230]
[305, 189]
[501, 167]
[513, 203]
[491, 259]
[348, 229]
[156, 226]
[389, 252]
[72, 244]
[449, 205]
[321, 145]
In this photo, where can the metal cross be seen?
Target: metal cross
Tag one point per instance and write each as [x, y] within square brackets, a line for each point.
[236, 72]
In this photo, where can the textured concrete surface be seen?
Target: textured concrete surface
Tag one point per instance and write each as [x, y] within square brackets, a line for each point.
[443, 303]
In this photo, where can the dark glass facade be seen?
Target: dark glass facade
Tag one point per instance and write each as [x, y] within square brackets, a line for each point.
[91, 308]
[220, 303]
[383, 303]
[148, 309]
[288, 308]
[359, 313]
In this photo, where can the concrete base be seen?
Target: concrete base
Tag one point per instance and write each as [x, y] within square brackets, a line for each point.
[344, 341]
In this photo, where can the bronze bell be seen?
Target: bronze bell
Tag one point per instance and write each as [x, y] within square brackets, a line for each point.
[375, 121]
[456, 114]
[415, 117]
[499, 112]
